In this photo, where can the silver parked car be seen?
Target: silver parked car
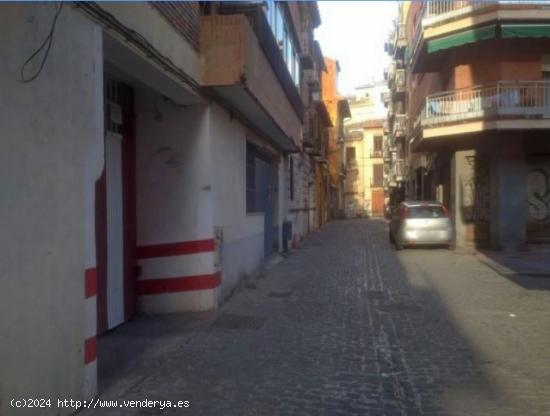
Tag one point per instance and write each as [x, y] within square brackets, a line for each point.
[421, 223]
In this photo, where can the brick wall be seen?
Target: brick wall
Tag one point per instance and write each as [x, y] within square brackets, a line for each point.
[184, 17]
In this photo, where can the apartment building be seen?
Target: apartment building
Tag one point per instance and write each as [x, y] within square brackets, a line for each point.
[476, 104]
[363, 151]
[395, 147]
[145, 164]
[338, 110]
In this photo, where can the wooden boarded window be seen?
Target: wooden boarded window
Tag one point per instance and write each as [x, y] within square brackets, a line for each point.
[377, 175]
[377, 143]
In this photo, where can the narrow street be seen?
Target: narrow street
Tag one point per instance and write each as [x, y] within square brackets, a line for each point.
[348, 326]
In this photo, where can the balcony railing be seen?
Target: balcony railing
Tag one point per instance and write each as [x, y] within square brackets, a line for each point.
[311, 77]
[376, 153]
[440, 10]
[387, 152]
[400, 125]
[386, 126]
[395, 173]
[398, 81]
[385, 98]
[436, 8]
[399, 169]
[512, 99]
[401, 34]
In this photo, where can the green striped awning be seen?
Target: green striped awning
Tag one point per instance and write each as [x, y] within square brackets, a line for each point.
[526, 31]
[462, 38]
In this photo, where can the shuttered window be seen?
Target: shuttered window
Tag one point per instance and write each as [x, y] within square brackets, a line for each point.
[377, 175]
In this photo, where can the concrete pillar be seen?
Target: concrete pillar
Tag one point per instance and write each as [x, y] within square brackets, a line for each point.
[455, 201]
[508, 194]
[93, 167]
[177, 248]
[470, 190]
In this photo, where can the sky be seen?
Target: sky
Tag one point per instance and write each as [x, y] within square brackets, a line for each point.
[354, 32]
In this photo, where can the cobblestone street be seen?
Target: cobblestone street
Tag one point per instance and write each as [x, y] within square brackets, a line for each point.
[348, 326]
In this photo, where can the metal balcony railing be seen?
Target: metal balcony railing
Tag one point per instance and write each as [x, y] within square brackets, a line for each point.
[515, 99]
[386, 126]
[385, 98]
[399, 169]
[399, 80]
[311, 77]
[376, 153]
[446, 7]
[401, 31]
[440, 10]
[400, 125]
[386, 153]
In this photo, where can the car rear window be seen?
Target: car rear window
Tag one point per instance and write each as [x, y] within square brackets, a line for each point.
[427, 211]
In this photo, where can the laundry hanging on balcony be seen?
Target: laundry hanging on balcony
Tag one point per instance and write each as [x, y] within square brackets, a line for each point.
[525, 31]
[462, 38]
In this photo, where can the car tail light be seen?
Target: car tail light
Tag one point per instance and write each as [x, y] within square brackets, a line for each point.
[405, 212]
[446, 212]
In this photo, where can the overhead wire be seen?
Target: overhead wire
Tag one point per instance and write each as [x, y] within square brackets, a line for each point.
[46, 43]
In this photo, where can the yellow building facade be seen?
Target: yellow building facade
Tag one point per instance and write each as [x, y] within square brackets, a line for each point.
[363, 152]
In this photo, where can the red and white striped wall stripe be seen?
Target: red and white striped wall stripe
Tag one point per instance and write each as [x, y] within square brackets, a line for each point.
[90, 296]
[177, 267]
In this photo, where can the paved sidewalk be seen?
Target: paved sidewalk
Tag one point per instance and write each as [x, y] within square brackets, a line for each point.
[347, 326]
[529, 263]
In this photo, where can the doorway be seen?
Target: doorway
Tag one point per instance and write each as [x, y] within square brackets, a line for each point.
[265, 190]
[115, 210]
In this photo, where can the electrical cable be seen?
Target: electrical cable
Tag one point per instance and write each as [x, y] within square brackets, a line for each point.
[109, 21]
[48, 43]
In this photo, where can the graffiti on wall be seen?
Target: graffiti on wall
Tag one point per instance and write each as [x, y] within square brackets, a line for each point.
[538, 193]
[475, 189]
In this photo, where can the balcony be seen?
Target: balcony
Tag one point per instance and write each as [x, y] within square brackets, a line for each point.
[438, 11]
[442, 11]
[352, 165]
[311, 77]
[386, 127]
[387, 153]
[400, 36]
[242, 65]
[400, 126]
[398, 83]
[307, 55]
[500, 106]
[398, 169]
[445, 24]
[385, 98]
[376, 153]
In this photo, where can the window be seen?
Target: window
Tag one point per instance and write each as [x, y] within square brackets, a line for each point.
[256, 163]
[377, 175]
[276, 18]
[377, 143]
[427, 211]
[279, 26]
[350, 155]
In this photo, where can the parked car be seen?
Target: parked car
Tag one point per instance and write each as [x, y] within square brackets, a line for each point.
[421, 223]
